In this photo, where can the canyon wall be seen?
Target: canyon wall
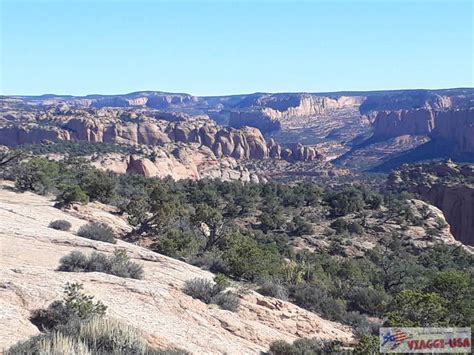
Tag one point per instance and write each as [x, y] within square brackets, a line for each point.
[448, 186]
[455, 125]
[457, 204]
[267, 111]
[243, 143]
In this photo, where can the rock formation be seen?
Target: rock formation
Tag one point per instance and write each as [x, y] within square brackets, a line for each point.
[455, 125]
[267, 111]
[123, 128]
[448, 186]
[155, 305]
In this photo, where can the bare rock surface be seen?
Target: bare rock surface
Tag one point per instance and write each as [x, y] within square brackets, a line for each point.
[455, 125]
[30, 253]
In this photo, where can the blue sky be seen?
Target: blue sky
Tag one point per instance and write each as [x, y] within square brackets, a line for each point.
[223, 47]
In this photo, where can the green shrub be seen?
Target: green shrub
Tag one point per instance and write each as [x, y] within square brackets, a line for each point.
[98, 185]
[368, 300]
[340, 225]
[118, 264]
[212, 262]
[222, 281]
[97, 231]
[60, 224]
[36, 174]
[248, 259]
[347, 201]
[71, 193]
[74, 305]
[300, 227]
[305, 346]
[177, 243]
[368, 345]
[316, 299]
[412, 308]
[75, 261]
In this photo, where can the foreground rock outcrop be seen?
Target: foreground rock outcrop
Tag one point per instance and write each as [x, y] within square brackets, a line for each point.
[29, 256]
[448, 186]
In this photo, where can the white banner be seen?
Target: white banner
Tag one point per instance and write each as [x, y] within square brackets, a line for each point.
[425, 340]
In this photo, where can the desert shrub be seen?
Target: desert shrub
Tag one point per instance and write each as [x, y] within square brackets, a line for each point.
[207, 292]
[50, 343]
[318, 300]
[201, 289]
[273, 289]
[227, 300]
[368, 300]
[355, 228]
[177, 243]
[368, 345]
[75, 261]
[347, 201]
[60, 224]
[97, 231]
[212, 262]
[305, 346]
[107, 336]
[69, 194]
[360, 324]
[74, 305]
[300, 227]
[118, 264]
[95, 336]
[412, 308]
[222, 281]
[340, 225]
[98, 185]
[335, 248]
[36, 174]
[248, 259]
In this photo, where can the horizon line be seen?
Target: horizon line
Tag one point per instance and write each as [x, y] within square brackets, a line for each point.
[243, 94]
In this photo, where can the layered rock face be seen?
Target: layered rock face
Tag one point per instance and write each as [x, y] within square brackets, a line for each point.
[403, 122]
[266, 112]
[448, 186]
[457, 204]
[243, 143]
[456, 125]
[178, 162]
[407, 100]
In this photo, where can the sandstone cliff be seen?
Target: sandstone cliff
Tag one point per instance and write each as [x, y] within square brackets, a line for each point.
[409, 99]
[267, 111]
[243, 143]
[455, 125]
[178, 162]
[448, 186]
[156, 305]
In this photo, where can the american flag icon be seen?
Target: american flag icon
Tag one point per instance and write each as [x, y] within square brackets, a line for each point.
[399, 336]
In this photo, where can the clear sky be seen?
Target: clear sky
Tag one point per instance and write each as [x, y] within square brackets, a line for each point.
[229, 47]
